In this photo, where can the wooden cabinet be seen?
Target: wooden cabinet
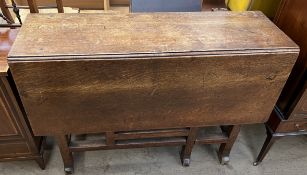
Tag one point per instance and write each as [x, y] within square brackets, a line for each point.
[292, 126]
[7, 125]
[289, 117]
[16, 139]
[268, 7]
[300, 109]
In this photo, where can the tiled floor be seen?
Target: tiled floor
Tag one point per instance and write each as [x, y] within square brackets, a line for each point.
[287, 157]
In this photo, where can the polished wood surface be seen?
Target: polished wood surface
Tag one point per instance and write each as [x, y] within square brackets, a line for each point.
[7, 37]
[155, 72]
[291, 18]
[16, 138]
[289, 118]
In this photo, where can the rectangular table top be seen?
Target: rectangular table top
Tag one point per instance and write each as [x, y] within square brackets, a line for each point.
[60, 36]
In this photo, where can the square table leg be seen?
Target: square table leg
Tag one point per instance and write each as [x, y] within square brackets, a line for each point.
[66, 154]
[225, 148]
[187, 149]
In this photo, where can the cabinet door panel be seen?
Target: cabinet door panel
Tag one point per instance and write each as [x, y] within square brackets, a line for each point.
[300, 111]
[292, 20]
[7, 124]
[293, 126]
[13, 149]
[8, 112]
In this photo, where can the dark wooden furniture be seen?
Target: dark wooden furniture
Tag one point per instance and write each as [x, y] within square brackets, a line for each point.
[16, 139]
[289, 117]
[7, 16]
[149, 79]
[33, 7]
[229, 133]
[165, 6]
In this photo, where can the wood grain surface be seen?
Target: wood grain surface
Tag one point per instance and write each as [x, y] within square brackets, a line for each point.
[149, 71]
[153, 34]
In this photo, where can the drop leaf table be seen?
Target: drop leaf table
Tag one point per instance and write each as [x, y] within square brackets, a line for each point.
[148, 79]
